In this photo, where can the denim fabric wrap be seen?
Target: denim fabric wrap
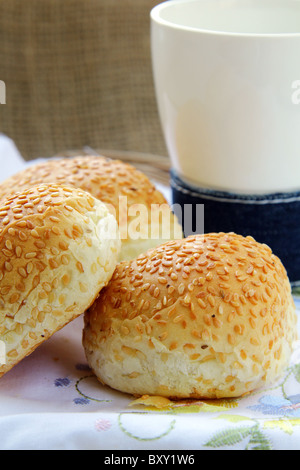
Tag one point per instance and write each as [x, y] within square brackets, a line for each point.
[273, 219]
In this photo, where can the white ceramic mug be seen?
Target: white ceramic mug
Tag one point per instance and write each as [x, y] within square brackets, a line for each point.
[227, 79]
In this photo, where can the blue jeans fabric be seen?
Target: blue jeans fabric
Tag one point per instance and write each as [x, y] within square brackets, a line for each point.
[270, 218]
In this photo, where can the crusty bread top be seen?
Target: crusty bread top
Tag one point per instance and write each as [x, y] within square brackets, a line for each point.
[216, 305]
[122, 187]
[103, 178]
[55, 258]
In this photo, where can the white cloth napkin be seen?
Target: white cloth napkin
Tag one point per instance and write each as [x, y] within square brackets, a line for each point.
[11, 160]
[51, 400]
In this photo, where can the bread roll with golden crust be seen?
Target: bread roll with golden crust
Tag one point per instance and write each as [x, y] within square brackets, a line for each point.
[59, 247]
[120, 186]
[210, 316]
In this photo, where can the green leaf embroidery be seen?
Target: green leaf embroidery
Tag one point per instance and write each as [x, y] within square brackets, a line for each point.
[229, 437]
[258, 440]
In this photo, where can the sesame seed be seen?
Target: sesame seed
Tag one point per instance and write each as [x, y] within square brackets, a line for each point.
[254, 341]
[178, 318]
[201, 303]
[231, 339]
[181, 289]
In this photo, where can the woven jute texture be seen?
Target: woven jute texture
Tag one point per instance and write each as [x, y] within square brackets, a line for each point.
[78, 73]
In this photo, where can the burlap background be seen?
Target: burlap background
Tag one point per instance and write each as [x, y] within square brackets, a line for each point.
[77, 73]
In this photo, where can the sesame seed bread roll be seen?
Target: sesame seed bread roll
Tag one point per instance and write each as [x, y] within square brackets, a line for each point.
[210, 316]
[59, 247]
[120, 186]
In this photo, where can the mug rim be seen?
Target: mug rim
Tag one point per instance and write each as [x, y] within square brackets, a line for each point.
[156, 18]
